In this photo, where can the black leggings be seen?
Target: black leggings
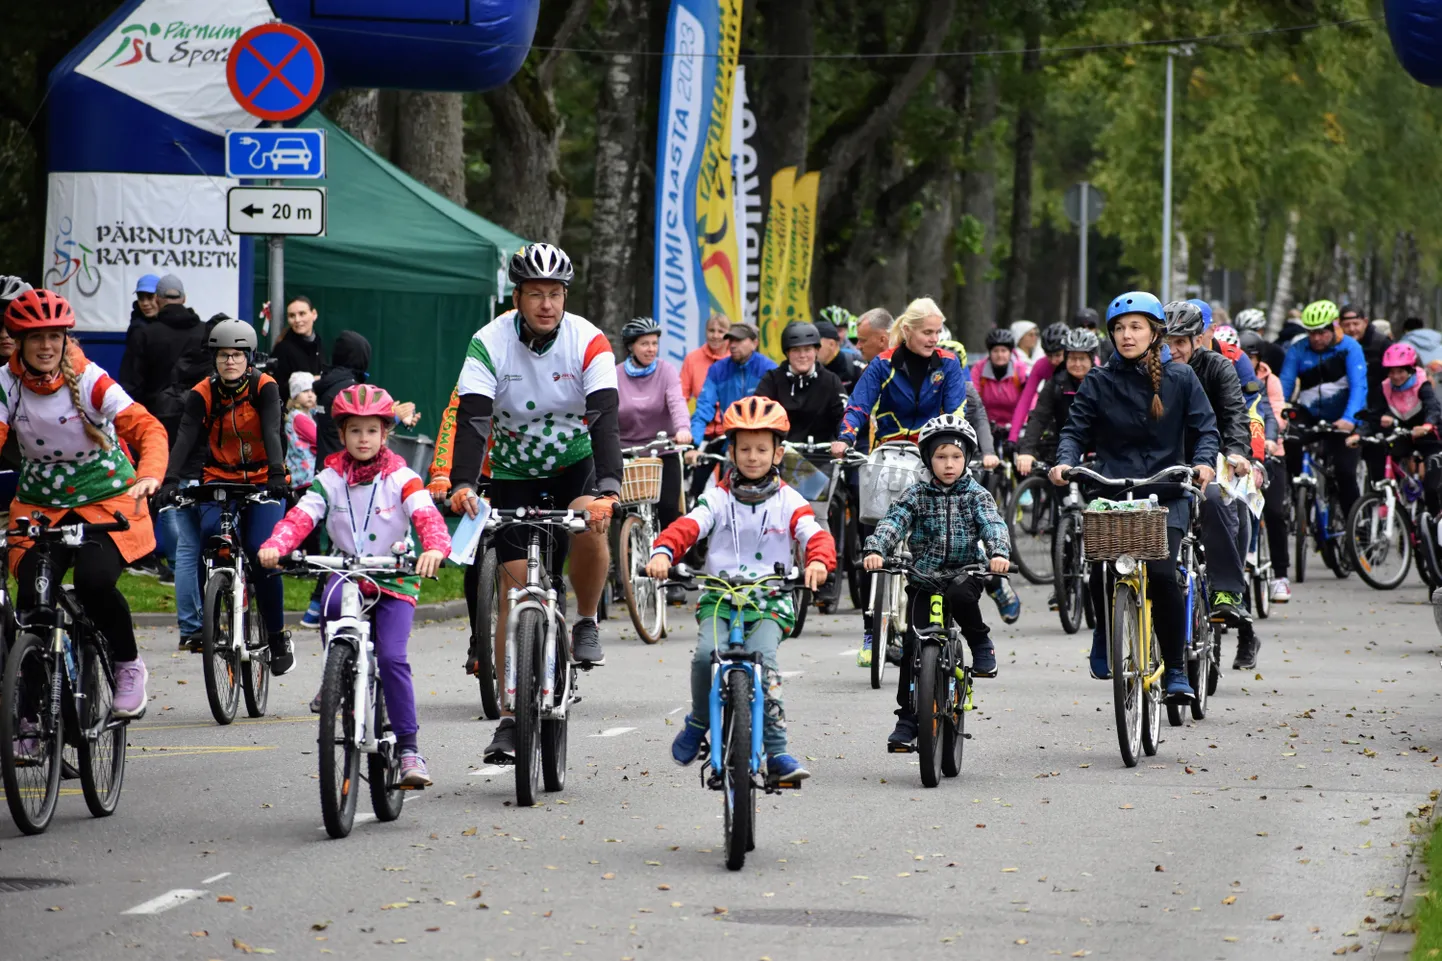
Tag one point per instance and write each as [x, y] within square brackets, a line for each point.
[1274, 507]
[963, 605]
[1169, 606]
[98, 565]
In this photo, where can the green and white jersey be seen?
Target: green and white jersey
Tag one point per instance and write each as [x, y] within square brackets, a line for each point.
[539, 427]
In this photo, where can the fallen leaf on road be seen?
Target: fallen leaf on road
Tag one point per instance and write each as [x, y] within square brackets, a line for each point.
[1021, 940]
[200, 934]
[320, 925]
[1159, 869]
[468, 833]
[1229, 938]
[226, 899]
[432, 930]
[1274, 917]
[1126, 807]
[395, 906]
[663, 887]
[608, 876]
[1080, 954]
[1008, 870]
[1230, 899]
[476, 895]
[718, 910]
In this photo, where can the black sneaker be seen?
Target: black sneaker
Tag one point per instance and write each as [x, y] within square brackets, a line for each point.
[502, 749]
[904, 734]
[194, 643]
[1247, 648]
[282, 654]
[586, 643]
[676, 595]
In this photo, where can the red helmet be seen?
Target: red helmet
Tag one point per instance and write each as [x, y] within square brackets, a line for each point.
[362, 400]
[38, 310]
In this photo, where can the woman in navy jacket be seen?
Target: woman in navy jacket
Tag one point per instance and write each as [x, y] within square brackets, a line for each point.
[1136, 412]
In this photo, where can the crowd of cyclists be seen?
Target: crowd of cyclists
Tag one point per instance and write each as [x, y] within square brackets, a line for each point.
[544, 406]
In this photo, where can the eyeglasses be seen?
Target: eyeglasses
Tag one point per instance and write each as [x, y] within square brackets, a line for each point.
[545, 296]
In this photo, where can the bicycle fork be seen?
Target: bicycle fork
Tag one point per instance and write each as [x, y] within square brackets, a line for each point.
[751, 665]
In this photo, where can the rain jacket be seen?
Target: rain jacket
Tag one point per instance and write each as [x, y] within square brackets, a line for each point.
[885, 400]
[942, 526]
[1000, 394]
[1333, 384]
[726, 383]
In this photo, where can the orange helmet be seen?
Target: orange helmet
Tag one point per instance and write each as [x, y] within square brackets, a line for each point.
[38, 310]
[756, 413]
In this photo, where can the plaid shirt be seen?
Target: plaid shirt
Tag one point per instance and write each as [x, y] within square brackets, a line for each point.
[942, 526]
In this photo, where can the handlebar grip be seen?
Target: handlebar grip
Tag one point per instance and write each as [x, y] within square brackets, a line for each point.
[121, 522]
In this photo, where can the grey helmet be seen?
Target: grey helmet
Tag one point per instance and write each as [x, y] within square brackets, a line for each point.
[947, 429]
[12, 287]
[1053, 337]
[1250, 319]
[1184, 319]
[1081, 340]
[634, 330]
[232, 334]
[541, 262]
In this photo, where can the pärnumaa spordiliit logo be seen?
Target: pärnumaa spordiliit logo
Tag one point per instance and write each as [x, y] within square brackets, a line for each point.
[175, 42]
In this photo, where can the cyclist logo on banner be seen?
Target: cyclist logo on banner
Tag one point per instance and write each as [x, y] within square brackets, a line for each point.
[72, 262]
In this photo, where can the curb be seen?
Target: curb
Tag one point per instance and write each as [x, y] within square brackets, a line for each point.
[444, 611]
[1397, 945]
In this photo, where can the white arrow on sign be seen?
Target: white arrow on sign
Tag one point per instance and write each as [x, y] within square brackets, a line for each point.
[276, 211]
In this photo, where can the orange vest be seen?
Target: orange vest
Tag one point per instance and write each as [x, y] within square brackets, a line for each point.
[235, 443]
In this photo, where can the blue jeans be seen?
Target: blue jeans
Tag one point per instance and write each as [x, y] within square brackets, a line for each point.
[257, 521]
[167, 535]
[185, 562]
[764, 636]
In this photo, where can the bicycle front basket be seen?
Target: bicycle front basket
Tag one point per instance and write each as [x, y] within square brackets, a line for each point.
[1108, 534]
[890, 471]
[641, 483]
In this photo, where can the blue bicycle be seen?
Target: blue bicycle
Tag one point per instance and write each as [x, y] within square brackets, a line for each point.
[735, 760]
[1315, 508]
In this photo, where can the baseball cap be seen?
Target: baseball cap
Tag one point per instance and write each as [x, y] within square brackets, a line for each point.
[169, 286]
[146, 284]
[741, 330]
[827, 330]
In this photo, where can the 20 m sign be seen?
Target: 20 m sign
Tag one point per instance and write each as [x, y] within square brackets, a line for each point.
[276, 211]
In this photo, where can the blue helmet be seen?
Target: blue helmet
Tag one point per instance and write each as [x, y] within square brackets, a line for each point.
[1206, 310]
[1136, 302]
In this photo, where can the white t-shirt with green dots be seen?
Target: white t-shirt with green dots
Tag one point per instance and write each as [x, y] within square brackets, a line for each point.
[539, 426]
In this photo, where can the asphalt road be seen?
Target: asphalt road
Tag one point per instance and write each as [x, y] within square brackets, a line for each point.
[1276, 828]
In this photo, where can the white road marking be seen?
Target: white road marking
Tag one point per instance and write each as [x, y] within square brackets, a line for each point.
[360, 818]
[612, 732]
[490, 770]
[850, 653]
[166, 901]
[677, 711]
[222, 874]
[792, 673]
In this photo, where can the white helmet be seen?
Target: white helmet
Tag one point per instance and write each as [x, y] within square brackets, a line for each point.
[541, 262]
[1250, 319]
[944, 429]
[12, 287]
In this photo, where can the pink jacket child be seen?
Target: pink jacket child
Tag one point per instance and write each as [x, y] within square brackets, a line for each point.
[1000, 390]
[1041, 372]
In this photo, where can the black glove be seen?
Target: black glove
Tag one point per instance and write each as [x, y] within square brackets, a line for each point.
[165, 497]
[277, 490]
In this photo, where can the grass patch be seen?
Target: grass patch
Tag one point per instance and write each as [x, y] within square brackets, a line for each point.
[1429, 905]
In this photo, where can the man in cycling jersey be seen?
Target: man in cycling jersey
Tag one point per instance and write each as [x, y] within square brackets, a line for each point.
[538, 401]
[1329, 372]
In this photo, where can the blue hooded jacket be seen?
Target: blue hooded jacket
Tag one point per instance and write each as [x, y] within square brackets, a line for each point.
[726, 383]
[1333, 382]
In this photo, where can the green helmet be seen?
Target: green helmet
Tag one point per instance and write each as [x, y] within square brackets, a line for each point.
[1320, 314]
[843, 319]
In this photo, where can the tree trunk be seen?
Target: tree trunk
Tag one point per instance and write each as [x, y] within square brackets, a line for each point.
[611, 270]
[1018, 269]
[929, 266]
[358, 113]
[1282, 298]
[978, 208]
[429, 129]
[780, 88]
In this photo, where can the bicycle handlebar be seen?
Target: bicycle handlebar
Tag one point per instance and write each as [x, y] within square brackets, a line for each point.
[221, 492]
[896, 565]
[1163, 476]
[574, 521]
[653, 447]
[404, 563]
[683, 576]
[40, 528]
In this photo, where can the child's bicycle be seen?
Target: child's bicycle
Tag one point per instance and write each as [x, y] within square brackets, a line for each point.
[941, 681]
[735, 761]
[353, 718]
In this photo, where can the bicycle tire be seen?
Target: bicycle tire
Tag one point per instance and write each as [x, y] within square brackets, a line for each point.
[1427, 563]
[383, 768]
[738, 790]
[483, 633]
[1261, 574]
[855, 573]
[1069, 582]
[42, 792]
[644, 596]
[801, 604]
[101, 761]
[1333, 541]
[1301, 507]
[529, 631]
[1365, 557]
[1199, 668]
[222, 685]
[930, 713]
[1126, 668]
[880, 629]
[953, 733]
[554, 731]
[255, 676]
[1152, 706]
[1030, 527]
[335, 742]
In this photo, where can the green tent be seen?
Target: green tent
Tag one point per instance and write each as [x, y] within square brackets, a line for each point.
[412, 272]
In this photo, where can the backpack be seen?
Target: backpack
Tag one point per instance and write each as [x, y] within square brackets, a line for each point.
[192, 366]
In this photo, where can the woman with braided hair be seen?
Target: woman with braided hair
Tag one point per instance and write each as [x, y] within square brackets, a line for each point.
[1137, 413]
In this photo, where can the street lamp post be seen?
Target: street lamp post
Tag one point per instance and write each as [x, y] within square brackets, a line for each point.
[1166, 284]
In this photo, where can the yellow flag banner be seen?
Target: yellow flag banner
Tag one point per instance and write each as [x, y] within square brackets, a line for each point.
[797, 302]
[716, 226]
[771, 300]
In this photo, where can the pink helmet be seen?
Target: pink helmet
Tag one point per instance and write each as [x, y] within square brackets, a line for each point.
[1400, 355]
[362, 400]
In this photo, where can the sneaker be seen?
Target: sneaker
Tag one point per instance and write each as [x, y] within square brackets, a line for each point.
[586, 643]
[1176, 686]
[502, 749]
[863, 656]
[983, 661]
[27, 745]
[130, 700]
[167, 576]
[1101, 667]
[687, 743]
[893, 652]
[1007, 602]
[784, 767]
[1051, 603]
[311, 617]
[904, 732]
[193, 643]
[1281, 591]
[315, 703]
[282, 654]
[1228, 607]
[676, 595]
[1247, 648]
[413, 770]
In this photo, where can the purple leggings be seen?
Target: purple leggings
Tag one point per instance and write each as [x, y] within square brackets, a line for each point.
[390, 631]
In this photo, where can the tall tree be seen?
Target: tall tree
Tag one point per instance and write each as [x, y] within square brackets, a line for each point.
[1018, 268]
[429, 132]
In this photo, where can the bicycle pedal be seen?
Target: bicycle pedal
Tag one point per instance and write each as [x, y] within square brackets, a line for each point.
[896, 747]
[784, 785]
[966, 735]
[409, 787]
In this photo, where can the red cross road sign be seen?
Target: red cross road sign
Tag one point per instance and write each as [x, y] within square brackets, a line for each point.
[275, 72]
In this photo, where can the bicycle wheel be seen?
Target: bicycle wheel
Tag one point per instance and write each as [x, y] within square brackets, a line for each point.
[855, 573]
[1427, 565]
[880, 628]
[1152, 706]
[1382, 560]
[1200, 658]
[102, 758]
[255, 673]
[930, 713]
[222, 687]
[483, 633]
[1301, 515]
[339, 754]
[801, 603]
[953, 733]
[1127, 667]
[1261, 574]
[1030, 517]
[383, 768]
[1333, 541]
[644, 600]
[1070, 578]
[739, 791]
[553, 733]
[30, 736]
[529, 631]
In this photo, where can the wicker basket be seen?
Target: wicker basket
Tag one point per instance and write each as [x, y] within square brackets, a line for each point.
[641, 483]
[1107, 535]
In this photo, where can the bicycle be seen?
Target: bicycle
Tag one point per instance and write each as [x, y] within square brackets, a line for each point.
[1203, 650]
[59, 691]
[941, 680]
[889, 470]
[1389, 525]
[1068, 561]
[637, 531]
[353, 717]
[1122, 546]
[232, 636]
[1259, 566]
[1032, 520]
[820, 482]
[482, 653]
[735, 757]
[1315, 506]
[540, 681]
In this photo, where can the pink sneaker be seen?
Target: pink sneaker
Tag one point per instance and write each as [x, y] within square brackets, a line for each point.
[27, 745]
[130, 700]
[413, 770]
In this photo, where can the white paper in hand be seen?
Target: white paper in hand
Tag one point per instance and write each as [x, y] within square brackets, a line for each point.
[467, 538]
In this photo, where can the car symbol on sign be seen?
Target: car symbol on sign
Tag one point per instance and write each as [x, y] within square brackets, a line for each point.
[288, 151]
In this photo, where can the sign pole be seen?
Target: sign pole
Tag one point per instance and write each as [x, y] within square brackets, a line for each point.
[276, 274]
[1081, 301]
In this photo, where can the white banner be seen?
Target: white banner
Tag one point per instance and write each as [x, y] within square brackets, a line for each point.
[745, 185]
[106, 230]
[171, 55]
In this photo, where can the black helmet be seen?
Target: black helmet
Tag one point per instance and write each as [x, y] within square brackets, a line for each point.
[1053, 337]
[1081, 340]
[1000, 337]
[1252, 342]
[800, 335]
[1184, 319]
[541, 262]
[634, 330]
[1086, 317]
